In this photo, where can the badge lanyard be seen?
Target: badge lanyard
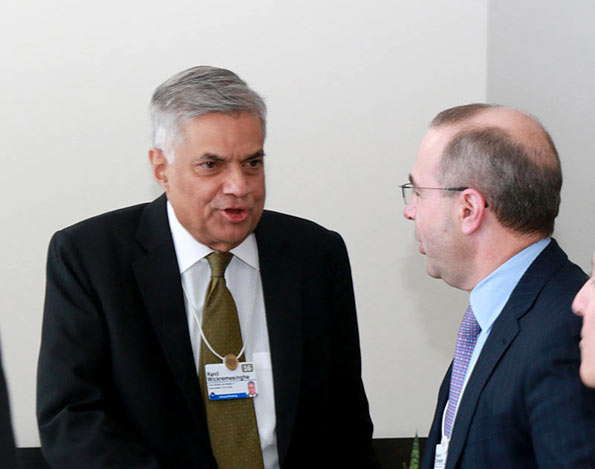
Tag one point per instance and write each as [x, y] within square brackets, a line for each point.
[441, 452]
[227, 360]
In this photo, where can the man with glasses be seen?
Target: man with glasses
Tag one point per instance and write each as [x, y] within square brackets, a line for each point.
[484, 193]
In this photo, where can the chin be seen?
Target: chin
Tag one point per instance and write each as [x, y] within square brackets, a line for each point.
[588, 372]
[232, 240]
[432, 271]
[433, 274]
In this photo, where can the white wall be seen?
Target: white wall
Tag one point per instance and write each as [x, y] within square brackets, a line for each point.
[350, 90]
[350, 85]
[541, 58]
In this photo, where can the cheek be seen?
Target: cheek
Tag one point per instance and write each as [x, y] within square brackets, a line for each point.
[584, 302]
[588, 329]
[590, 298]
[424, 230]
[203, 195]
[258, 187]
[589, 317]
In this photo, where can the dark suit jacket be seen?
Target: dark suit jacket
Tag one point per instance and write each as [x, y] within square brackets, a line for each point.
[524, 405]
[8, 456]
[117, 385]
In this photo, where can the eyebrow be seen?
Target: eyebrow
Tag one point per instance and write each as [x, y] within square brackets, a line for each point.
[214, 157]
[258, 154]
[211, 156]
[411, 180]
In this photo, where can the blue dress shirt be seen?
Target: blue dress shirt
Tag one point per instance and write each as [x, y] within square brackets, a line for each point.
[489, 296]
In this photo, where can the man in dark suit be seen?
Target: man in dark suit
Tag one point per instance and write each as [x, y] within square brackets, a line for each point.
[484, 193]
[119, 379]
[8, 457]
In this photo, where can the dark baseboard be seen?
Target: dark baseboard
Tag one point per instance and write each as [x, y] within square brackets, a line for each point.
[394, 452]
[31, 458]
[391, 452]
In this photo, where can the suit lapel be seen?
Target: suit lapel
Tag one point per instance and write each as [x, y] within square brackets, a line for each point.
[159, 281]
[281, 288]
[435, 434]
[503, 333]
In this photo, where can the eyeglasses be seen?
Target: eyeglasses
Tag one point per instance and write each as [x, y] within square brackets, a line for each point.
[408, 190]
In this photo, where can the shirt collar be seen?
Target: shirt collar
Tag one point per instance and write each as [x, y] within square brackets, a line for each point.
[189, 251]
[489, 296]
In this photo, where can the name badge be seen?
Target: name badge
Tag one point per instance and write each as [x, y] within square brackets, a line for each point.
[441, 453]
[223, 383]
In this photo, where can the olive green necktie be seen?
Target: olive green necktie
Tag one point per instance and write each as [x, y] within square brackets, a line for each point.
[232, 422]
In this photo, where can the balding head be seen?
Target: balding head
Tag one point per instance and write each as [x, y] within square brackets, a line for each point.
[522, 128]
[509, 157]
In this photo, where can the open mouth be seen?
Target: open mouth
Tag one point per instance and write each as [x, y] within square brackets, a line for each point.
[235, 215]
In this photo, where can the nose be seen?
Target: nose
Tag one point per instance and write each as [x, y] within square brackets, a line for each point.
[579, 301]
[236, 183]
[409, 212]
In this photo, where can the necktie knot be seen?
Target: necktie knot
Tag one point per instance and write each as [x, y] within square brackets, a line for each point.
[219, 262]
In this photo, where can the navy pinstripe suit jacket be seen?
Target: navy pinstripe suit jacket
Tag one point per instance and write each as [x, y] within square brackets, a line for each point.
[524, 405]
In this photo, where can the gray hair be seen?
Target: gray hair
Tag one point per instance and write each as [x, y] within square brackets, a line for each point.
[194, 93]
[520, 180]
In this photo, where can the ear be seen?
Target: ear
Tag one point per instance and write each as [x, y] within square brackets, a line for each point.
[471, 210]
[159, 164]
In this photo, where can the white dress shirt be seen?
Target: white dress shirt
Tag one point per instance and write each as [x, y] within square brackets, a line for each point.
[243, 281]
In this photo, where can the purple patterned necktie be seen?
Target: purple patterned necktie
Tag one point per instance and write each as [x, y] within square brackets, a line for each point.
[466, 339]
